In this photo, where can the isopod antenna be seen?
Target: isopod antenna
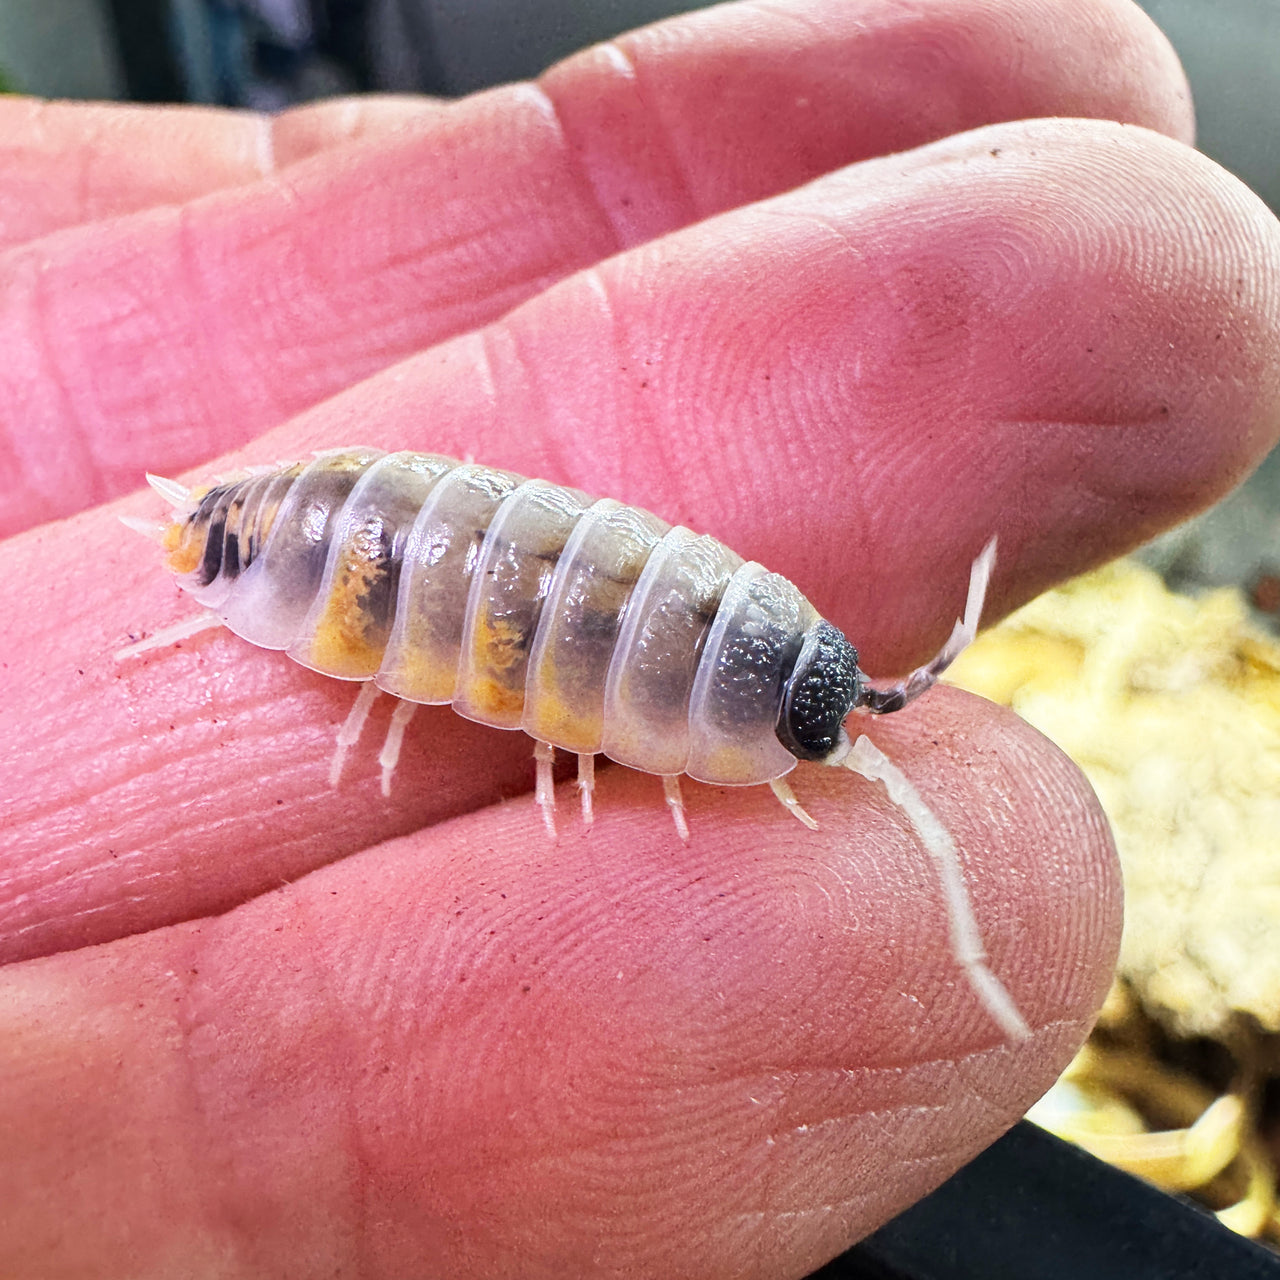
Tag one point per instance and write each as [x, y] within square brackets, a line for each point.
[896, 696]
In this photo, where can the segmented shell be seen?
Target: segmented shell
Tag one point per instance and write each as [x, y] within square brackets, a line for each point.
[592, 625]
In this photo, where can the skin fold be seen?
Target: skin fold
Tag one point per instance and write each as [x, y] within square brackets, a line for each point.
[256, 1026]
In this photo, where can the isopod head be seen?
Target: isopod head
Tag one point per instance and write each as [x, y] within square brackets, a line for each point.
[825, 685]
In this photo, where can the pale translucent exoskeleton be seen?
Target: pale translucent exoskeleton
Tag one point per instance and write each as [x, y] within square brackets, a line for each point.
[593, 626]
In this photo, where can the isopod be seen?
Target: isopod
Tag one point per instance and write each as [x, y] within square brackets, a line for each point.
[593, 626]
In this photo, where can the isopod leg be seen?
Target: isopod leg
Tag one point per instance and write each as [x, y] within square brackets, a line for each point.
[675, 802]
[544, 755]
[352, 727]
[782, 789]
[152, 530]
[389, 756]
[966, 942]
[586, 785]
[170, 635]
[175, 494]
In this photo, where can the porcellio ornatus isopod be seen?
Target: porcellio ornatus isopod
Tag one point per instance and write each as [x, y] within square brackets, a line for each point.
[593, 626]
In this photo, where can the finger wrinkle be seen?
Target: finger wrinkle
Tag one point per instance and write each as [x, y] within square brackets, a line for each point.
[663, 129]
[88, 860]
[206, 1148]
[627, 154]
[474, 351]
[79, 926]
[510, 382]
[879, 1116]
[772, 1223]
[873, 1077]
[532, 93]
[527, 388]
[55, 916]
[49, 443]
[213, 345]
[616, 56]
[109, 1050]
[991, 1095]
[773, 1216]
[264, 1107]
[834, 225]
[542, 95]
[947, 1157]
[263, 149]
[352, 1031]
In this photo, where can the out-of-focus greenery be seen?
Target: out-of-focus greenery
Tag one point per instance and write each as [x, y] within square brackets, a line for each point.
[6, 85]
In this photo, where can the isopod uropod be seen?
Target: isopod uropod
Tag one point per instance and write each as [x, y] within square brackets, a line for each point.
[593, 626]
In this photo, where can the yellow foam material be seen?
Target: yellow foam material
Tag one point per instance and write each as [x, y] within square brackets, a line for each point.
[1171, 707]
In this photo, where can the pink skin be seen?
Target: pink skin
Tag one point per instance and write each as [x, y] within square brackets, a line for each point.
[69, 163]
[418, 230]
[327, 1034]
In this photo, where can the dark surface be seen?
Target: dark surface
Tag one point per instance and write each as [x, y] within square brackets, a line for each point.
[819, 693]
[146, 55]
[1031, 1207]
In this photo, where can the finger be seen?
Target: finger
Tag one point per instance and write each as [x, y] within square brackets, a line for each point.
[316, 126]
[159, 340]
[1036, 330]
[67, 163]
[1060, 331]
[473, 1053]
[70, 162]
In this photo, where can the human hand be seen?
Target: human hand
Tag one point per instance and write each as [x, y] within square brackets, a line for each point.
[323, 1033]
